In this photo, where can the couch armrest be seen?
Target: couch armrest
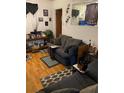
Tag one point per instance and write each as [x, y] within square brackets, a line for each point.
[72, 50]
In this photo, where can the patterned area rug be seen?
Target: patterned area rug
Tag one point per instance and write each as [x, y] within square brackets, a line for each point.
[54, 78]
[49, 62]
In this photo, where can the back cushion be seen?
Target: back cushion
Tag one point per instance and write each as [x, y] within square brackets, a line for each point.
[57, 41]
[92, 70]
[72, 42]
[63, 39]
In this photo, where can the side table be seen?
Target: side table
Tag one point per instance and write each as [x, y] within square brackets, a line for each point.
[51, 50]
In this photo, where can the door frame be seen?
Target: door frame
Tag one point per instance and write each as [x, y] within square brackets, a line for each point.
[60, 32]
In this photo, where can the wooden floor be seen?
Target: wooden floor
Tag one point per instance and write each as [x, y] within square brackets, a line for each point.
[35, 70]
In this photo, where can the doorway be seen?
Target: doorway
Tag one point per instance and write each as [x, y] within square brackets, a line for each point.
[58, 22]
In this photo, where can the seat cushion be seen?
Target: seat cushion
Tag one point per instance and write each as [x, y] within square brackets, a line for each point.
[63, 39]
[60, 52]
[64, 61]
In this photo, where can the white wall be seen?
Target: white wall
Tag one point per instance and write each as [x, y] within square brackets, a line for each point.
[32, 20]
[80, 32]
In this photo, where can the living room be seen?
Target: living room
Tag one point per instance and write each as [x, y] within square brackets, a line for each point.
[41, 21]
[22, 67]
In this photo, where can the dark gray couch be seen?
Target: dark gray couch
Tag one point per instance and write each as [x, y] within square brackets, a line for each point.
[77, 81]
[67, 53]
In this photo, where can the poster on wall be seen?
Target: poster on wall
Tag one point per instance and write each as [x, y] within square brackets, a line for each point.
[45, 12]
[50, 19]
[46, 23]
[40, 19]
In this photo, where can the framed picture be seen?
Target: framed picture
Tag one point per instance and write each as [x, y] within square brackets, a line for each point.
[45, 12]
[46, 23]
[50, 19]
[40, 19]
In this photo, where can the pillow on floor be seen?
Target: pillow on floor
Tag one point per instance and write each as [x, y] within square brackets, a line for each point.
[66, 90]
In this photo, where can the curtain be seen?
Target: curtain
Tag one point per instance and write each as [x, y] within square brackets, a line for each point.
[30, 7]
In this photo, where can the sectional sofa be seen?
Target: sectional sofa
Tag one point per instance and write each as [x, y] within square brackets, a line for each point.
[77, 82]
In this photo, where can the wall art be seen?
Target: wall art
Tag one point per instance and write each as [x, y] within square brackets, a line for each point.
[50, 19]
[45, 12]
[67, 19]
[68, 7]
[40, 19]
[46, 23]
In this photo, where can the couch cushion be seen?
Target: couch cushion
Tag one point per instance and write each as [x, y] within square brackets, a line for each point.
[66, 90]
[65, 61]
[60, 52]
[92, 70]
[72, 42]
[63, 39]
[57, 41]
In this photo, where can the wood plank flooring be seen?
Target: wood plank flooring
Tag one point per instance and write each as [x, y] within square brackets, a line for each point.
[35, 70]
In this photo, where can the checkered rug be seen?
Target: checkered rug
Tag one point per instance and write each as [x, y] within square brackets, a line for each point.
[54, 78]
